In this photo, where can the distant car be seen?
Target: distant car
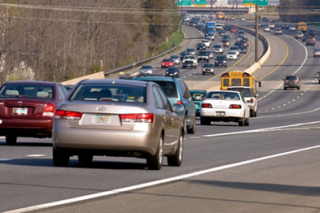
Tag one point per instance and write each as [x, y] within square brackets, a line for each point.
[316, 53]
[176, 59]
[178, 93]
[292, 28]
[191, 51]
[223, 32]
[225, 42]
[208, 68]
[218, 48]
[285, 26]
[146, 69]
[243, 49]
[311, 32]
[305, 37]
[226, 37]
[167, 62]
[228, 18]
[221, 60]
[233, 29]
[240, 37]
[173, 71]
[203, 56]
[227, 28]
[197, 97]
[212, 36]
[182, 54]
[278, 31]
[242, 19]
[232, 55]
[298, 35]
[271, 26]
[291, 81]
[266, 29]
[265, 19]
[235, 49]
[226, 106]
[249, 96]
[211, 54]
[311, 41]
[207, 42]
[27, 108]
[201, 46]
[100, 107]
[69, 87]
[189, 61]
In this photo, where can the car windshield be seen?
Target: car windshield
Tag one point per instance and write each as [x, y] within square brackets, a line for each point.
[168, 87]
[231, 53]
[109, 92]
[208, 65]
[190, 49]
[210, 34]
[234, 48]
[291, 78]
[27, 91]
[223, 95]
[221, 57]
[146, 67]
[245, 92]
[173, 69]
[174, 56]
[189, 57]
[217, 46]
[197, 96]
[167, 60]
[203, 53]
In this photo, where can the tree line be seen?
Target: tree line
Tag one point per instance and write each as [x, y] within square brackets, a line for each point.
[57, 40]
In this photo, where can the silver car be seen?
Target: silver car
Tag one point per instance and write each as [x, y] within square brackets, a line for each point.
[176, 59]
[111, 117]
[146, 69]
[191, 51]
[218, 48]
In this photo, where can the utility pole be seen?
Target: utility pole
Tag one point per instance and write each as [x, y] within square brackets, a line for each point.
[211, 15]
[257, 35]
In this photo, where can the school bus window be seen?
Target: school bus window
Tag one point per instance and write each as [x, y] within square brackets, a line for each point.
[226, 82]
[236, 82]
[246, 82]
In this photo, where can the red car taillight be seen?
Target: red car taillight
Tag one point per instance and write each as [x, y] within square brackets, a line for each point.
[49, 110]
[251, 100]
[137, 118]
[179, 102]
[206, 106]
[235, 106]
[68, 115]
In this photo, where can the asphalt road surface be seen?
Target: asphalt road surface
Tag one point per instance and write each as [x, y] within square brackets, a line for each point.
[270, 166]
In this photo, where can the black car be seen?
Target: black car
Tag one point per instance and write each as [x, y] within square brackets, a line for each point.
[311, 32]
[201, 46]
[243, 49]
[184, 53]
[265, 19]
[227, 28]
[173, 71]
[221, 60]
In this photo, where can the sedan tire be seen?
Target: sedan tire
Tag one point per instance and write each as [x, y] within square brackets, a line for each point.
[246, 122]
[155, 162]
[192, 130]
[60, 158]
[241, 121]
[176, 159]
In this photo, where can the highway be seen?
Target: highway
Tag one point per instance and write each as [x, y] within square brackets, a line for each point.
[270, 166]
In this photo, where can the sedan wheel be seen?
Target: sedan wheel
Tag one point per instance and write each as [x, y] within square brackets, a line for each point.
[60, 158]
[246, 122]
[11, 139]
[155, 162]
[241, 121]
[176, 159]
[192, 130]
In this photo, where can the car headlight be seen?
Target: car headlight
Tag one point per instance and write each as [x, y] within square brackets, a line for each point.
[203, 69]
[167, 72]
[216, 61]
[224, 61]
[175, 73]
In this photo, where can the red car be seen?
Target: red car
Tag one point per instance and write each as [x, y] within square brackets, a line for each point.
[233, 30]
[27, 108]
[167, 63]
[228, 18]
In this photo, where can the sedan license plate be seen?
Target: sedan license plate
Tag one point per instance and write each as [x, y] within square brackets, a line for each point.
[101, 119]
[20, 111]
[220, 113]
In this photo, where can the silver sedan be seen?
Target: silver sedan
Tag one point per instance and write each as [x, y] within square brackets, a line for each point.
[110, 117]
[176, 59]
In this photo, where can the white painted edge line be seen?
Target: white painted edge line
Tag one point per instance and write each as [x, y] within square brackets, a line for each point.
[305, 60]
[36, 155]
[154, 183]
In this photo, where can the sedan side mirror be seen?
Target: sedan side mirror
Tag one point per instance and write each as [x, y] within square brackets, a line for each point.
[178, 108]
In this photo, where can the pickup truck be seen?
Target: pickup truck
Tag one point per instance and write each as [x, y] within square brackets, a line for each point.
[189, 61]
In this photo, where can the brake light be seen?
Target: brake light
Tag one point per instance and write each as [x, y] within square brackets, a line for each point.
[206, 106]
[179, 102]
[49, 110]
[68, 115]
[297, 81]
[137, 118]
[235, 106]
[251, 100]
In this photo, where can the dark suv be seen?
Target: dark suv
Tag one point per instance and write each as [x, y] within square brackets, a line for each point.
[221, 60]
[203, 56]
[178, 93]
[291, 81]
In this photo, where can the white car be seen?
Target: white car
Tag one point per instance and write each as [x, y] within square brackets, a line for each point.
[235, 49]
[218, 48]
[176, 59]
[249, 96]
[207, 42]
[266, 29]
[226, 106]
[231, 55]
[242, 19]
[191, 51]
[292, 28]
[271, 26]
[211, 36]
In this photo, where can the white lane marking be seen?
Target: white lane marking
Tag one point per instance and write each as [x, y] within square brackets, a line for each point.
[2, 160]
[294, 100]
[158, 182]
[301, 94]
[298, 97]
[285, 115]
[305, 60]
[36, 155]
[284, 104]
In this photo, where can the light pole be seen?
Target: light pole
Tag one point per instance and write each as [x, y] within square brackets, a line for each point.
[211, 15]
[257, 34]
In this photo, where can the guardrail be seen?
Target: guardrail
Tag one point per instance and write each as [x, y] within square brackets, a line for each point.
[138, 63]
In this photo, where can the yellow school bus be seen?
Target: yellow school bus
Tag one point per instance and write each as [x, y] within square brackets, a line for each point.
[220, 15]
[238, 78]
[302, 26]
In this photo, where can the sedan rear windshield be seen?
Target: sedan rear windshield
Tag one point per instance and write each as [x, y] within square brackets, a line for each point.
[27, 91]
[109, 92]
[223, 95]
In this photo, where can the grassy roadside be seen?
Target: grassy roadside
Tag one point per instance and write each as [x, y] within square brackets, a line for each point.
[175, 39]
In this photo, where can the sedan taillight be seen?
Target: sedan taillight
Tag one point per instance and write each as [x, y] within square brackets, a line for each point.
[235, 106]
[67, 115]
[206, 105]
[49, 110]
[251, 100]
[137, 118]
